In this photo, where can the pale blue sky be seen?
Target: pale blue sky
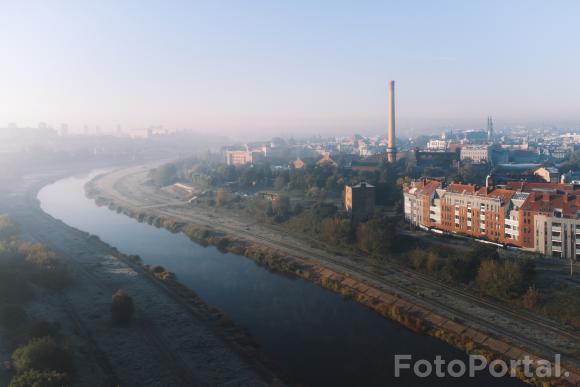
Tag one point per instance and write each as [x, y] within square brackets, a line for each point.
[289, 66]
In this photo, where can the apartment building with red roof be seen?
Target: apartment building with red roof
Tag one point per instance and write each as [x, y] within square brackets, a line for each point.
[541, 217]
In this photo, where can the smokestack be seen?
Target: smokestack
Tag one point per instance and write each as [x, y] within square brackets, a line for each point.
[391, 149]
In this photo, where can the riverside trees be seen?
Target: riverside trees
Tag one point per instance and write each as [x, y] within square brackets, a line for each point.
[26, 269]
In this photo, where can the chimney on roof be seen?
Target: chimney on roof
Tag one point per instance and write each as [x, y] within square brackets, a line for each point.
[488, 181]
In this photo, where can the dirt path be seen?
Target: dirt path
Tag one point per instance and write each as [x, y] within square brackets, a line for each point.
[166, 346]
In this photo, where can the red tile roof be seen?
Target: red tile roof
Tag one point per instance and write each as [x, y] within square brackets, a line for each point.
[461, 188]
[427, 187]
[537, 186]
[548, 202]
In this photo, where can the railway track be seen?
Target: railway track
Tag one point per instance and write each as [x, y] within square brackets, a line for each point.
[386, 278]
[378, 275]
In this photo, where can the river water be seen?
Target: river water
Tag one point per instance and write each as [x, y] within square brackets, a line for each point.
[318, 337]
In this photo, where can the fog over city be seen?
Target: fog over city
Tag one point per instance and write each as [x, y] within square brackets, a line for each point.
[288, 68]
[289, 193]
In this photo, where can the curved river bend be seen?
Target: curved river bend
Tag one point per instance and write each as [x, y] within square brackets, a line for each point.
[320, 338]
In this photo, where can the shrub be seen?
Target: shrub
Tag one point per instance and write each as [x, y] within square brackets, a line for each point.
[12, 316]
[46, 269]
[122, 308]
[164, 175]
[8, 228]
[531, 297]
[34, 378]
[42, 354]
[507, 279]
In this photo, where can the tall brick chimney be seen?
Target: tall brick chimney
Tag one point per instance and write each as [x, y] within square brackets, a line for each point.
[391, 146]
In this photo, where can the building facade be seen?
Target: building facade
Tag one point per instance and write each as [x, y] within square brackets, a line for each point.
[540, 217]
[477, 154]
[359, 199]
[240, 157]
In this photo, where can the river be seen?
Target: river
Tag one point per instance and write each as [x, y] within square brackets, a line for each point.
[318, 337]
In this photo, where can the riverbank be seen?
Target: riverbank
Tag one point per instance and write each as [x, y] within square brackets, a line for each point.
[175, 335]
[164, 211]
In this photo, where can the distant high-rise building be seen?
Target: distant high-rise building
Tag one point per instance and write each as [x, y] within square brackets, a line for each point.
[391, 147]
[489, 129]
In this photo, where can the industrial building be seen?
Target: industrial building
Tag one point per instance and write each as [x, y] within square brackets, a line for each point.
[360, 199]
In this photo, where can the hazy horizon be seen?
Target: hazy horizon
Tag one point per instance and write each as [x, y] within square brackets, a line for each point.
[265, 69]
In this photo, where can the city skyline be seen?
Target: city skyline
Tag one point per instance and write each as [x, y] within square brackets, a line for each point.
[289, 68]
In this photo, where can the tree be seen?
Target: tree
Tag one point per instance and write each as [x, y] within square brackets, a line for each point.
[531, 297]
[122, 308]
[281, 206]
[506, 279]
[375, 236]
[42, 354]
[8, 228]
[35, 378]
[574, 160]
[221, 197]
[487, 274]
[280, 183]
[164, 175]
[46, 269]
[337, 230]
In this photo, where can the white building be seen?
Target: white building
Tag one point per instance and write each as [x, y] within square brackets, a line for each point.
[437, 145]
[477, 154]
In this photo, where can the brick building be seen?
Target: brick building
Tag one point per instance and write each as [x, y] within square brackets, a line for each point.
[359, 199]
[541, 217]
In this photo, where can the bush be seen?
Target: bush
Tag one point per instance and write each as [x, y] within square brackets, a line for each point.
[34, 378]
[122, 308]
[11, 316]
[164, 175]
[8, 228]
[507, 279]
[530, 298]
[42, 354]
[46, 269]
